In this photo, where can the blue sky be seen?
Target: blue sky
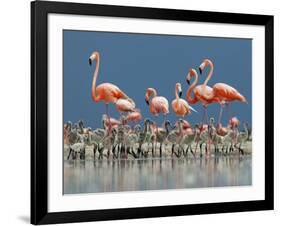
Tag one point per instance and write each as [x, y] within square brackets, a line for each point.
[135, 62]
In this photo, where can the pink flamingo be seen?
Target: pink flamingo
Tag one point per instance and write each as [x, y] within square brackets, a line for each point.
[157, 104]
[179, 105]
[224, 92]
[202, 93]
[186, 127]
[184, 124]
[134, 116]
[222, 131]
[110, 122]
[234, 122]
[124, 105]
[106, 92]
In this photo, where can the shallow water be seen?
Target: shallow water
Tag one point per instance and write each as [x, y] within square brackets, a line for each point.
[155, 174]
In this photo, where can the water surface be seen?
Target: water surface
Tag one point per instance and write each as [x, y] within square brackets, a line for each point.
[155, 174]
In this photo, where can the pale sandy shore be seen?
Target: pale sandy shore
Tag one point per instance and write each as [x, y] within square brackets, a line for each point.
[166, 152]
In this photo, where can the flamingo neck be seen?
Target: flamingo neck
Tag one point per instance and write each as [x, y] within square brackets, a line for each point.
[95, 76]
[210, 72]
[192, 100]
[151, 92]
[177, 95]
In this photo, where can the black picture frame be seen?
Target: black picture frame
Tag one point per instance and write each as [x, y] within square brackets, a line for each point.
[39, 112]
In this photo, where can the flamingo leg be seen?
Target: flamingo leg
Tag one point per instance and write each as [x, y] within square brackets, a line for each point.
[209, 144]
[197, 143]
[220, 114]
[154, 142]
[206, 116]
[203, 118]
[201, 126]
[229, 111]
[164, 119]
[208, 139]
[108, 118]
[133, 125]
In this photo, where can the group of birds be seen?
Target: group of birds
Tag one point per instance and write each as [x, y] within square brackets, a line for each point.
[180, 139]
[220, 93]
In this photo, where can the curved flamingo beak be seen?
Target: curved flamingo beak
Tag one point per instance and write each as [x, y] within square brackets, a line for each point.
[178, 85]
[192, 109]
[94, 56]
[200, 70]
[180, 94]
[147, 95]
[202, 66]
[188, 77]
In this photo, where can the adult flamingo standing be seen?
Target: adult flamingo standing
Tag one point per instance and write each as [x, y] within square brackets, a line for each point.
[179, 105]
[106, 92]
[157, 104]
[224, 92]
[202, 93]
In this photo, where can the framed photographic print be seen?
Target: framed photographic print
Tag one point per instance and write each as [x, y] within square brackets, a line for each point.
[144, 112]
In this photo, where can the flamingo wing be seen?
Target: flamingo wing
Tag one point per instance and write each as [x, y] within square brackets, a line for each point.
[234, 122]
[109, 92]
[205, 94]
[159, 105]
[113, 122]
[227, 93]
[177, 107]
[181, 107]
[124, 105]
[134, 116]
[186, 125]
[187, 106]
